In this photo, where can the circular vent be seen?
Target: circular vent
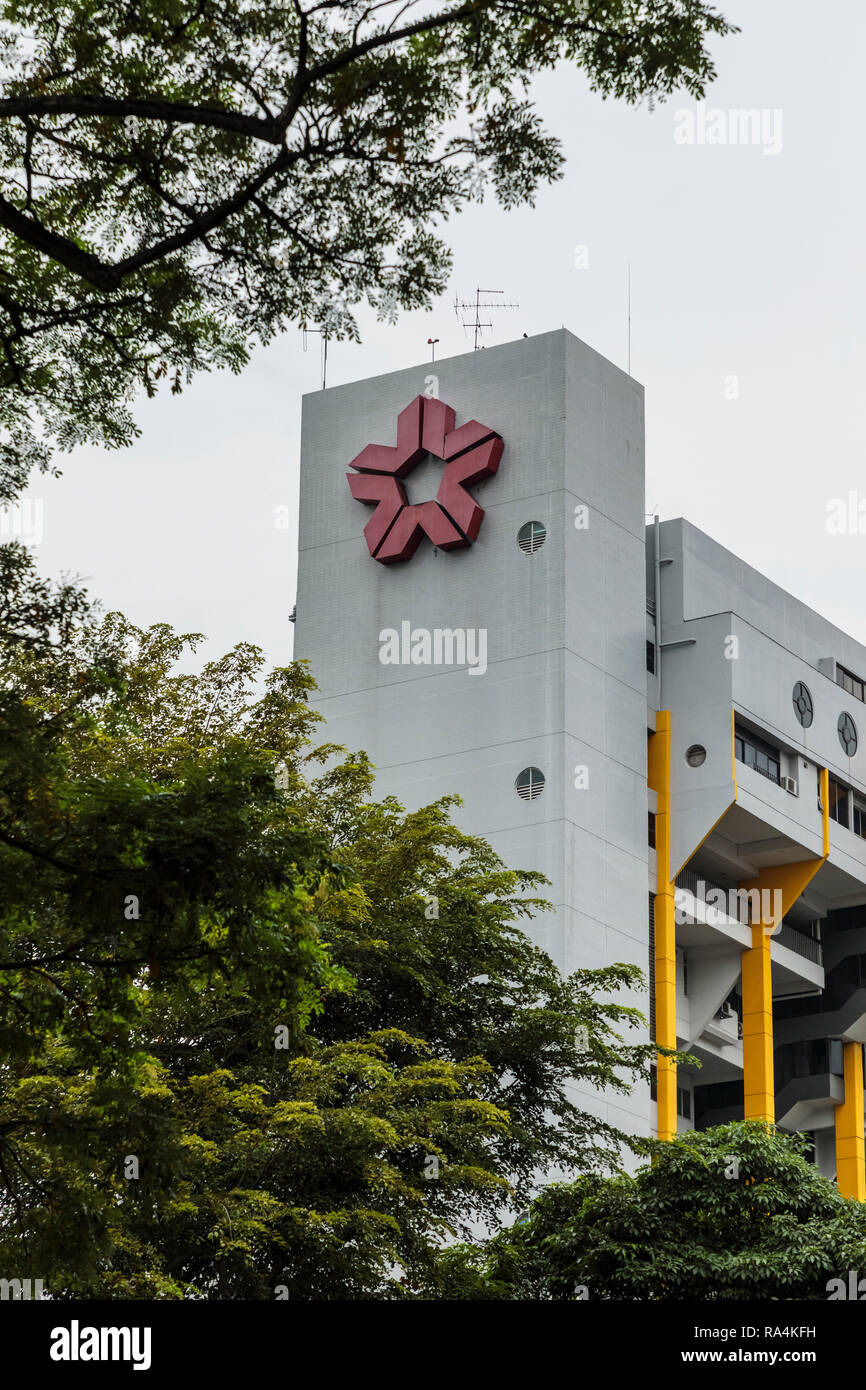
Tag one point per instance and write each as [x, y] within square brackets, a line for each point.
[696, 756]
[531, 537]
[529, 784]
[847, 730]
[803, 707]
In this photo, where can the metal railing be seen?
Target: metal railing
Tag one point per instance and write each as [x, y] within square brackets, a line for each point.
[690, 878]
[806, 946]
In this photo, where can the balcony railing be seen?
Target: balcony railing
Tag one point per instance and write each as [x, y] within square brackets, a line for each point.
[690, 878]
[806, 946]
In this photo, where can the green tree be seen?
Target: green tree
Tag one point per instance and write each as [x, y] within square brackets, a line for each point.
[440, 950]
[181, 177]
[731, 1212]
[240, 1051]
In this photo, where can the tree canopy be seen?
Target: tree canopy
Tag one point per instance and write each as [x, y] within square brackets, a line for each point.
[260, 1035]
[733, 1212]
[179, 178]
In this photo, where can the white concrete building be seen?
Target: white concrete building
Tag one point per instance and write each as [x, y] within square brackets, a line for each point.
[643, 733]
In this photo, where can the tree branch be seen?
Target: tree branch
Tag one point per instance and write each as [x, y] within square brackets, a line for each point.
[57, 248]
[149, 108]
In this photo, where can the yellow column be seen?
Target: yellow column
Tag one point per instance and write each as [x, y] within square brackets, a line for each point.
[659, 778]
[779, 888]
[759, 1091]
[850, 1148]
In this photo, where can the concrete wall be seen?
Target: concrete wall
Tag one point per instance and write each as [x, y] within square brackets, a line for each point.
[751, 642]
[565, 685]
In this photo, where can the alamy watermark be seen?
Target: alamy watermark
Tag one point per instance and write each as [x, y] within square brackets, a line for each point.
[854, 1290]
[77, 1343]
[439, 646]
[22, 521]
[744, 905]
[753, 125]
[22, 1289]
[846, 516]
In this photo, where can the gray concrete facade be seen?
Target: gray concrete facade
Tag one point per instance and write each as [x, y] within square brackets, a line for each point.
[565, 685]
[733, 648]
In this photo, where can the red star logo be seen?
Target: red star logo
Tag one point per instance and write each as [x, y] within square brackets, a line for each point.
[454, 519]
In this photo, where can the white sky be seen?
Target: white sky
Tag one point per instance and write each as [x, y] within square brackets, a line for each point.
[743, 264]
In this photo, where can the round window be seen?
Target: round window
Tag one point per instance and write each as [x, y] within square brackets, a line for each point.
[803, 707]
[531, 537]
[696, 755]
[847, 731]
[529, 783]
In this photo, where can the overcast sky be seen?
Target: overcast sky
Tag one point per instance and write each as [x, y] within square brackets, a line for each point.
[747, 334]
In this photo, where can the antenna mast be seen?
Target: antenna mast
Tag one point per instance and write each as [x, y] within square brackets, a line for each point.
[461, 307]
[324, 332]
[629, 318]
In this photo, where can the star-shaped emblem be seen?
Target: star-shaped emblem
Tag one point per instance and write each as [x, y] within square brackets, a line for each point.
[454, 519]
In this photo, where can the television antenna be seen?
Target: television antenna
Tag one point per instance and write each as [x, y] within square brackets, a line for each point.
[461, 306]
[324, 332]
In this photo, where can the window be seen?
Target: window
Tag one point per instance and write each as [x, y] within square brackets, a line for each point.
[684, 1102]
[682, 971]
[812, 1057]
[696, 756]
[803, 707]
[847, 918]
[838, 803]
[531, 537]
[720, 1095]
[651, 830]
[847, 809]
[529, 783]
[848, 681]
[847, 731]
[752, 751]
[651, 657]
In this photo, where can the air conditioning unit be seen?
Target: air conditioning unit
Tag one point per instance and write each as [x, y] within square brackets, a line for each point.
[726, 1011]
[791, 785]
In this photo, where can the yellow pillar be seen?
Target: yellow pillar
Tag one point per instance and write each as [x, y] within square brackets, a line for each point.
[779, 889]
[850, 1148]
[659, 778]
[759, 1090]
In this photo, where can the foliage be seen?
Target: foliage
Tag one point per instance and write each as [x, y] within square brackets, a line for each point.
[241, 1052]
[181, 177]
[732, 1212]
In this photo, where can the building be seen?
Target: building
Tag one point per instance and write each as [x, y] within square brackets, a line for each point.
[671, 738]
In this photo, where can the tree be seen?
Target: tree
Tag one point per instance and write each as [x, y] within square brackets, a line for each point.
[240, 1052]
[172, 865]
[440, 951]
[179, 177]
[731, 1212]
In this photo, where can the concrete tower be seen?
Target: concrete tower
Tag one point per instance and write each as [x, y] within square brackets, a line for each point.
[471, 655]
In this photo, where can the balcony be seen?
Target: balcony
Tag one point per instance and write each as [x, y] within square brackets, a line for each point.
[806, 946]
[725, 1027]
[689, 879]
